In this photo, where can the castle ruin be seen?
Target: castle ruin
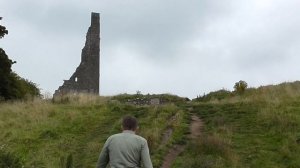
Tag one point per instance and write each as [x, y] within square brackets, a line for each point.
[86, 77]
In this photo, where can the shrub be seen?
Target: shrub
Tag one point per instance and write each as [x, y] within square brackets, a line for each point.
[240, 87]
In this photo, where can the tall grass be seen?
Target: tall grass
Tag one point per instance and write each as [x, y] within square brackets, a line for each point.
[210, 151]
[71, 131]
[260, 128]
[267, 94]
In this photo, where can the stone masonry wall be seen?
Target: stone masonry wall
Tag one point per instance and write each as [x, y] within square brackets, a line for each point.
[86, 77]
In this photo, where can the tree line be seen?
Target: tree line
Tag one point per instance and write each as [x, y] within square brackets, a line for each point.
[12, 86]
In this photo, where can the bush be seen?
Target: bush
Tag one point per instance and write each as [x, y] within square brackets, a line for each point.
[240, 87]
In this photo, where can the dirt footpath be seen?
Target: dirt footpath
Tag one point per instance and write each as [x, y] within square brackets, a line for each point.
[196, 127]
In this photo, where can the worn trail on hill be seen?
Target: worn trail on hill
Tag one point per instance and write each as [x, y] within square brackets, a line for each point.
[196, 127]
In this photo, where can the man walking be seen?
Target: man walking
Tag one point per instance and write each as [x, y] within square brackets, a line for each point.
[126, 149]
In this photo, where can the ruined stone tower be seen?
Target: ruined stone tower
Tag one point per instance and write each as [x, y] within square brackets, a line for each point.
[86, 77]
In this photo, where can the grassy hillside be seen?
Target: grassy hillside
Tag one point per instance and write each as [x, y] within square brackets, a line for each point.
[45, 134]
[259, 128]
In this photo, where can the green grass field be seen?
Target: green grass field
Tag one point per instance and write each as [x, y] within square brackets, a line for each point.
[259, 128]
[45, 134]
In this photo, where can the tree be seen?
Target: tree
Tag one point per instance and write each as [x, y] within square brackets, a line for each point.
[5, 62]
[13, 86]
[5, 68]
[240, 86]
[3, 30]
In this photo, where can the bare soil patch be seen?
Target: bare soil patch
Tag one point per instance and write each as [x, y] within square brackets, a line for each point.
[196, 127]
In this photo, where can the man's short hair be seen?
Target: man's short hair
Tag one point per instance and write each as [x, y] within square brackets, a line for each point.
[129, 123]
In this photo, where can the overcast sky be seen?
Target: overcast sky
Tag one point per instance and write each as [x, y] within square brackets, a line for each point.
[157, 46]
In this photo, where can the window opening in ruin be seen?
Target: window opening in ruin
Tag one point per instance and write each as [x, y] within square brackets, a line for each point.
[75, 79]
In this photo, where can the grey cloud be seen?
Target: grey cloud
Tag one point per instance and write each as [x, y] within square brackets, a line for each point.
[161, 30]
